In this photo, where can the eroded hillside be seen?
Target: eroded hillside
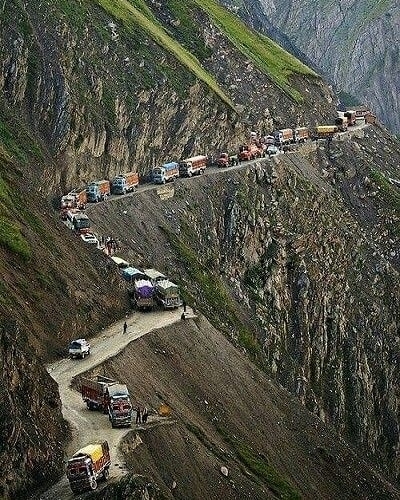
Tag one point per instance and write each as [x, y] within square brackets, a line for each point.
[297, 261]
[226, 413]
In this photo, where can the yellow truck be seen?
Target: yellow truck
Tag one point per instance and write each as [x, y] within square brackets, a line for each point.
[87, 466]
[325, 131]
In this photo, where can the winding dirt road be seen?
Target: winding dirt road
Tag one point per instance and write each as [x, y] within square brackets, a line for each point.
[88, 426]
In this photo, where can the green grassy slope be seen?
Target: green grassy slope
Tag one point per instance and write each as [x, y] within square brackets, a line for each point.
[129, 15]
[275, 62]
[268, 57]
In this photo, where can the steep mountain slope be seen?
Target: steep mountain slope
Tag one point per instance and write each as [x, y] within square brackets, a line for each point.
[353, 42]
[298, 262]
[88, 92]
[230, 416]
[98, 119]
[90, 89]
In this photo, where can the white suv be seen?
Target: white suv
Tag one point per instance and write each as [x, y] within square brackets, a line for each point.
[79, 348]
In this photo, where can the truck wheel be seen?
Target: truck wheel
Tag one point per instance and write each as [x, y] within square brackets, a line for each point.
[106, 474]
[93, 484]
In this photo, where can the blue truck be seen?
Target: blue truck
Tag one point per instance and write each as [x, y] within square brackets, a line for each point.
[167, 172]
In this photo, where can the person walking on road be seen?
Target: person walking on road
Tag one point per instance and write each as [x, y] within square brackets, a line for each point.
[184, 306]
[145, 414]
[138, 415]
[125, 327]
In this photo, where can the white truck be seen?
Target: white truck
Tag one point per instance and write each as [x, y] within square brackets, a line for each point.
[79, 348]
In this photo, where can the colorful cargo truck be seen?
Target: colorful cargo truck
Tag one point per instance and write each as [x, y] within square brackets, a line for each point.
[87, 466]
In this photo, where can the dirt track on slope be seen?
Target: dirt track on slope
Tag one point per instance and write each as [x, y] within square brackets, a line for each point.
[89, 426]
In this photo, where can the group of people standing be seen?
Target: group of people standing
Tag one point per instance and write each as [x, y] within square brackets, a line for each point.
[109, 244]
[141, 415]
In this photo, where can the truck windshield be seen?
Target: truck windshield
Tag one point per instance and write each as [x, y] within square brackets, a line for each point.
[77, 470]
[75, 345]
[82, 223]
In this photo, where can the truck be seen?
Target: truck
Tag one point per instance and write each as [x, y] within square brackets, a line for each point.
[249, 152]
[143, 294]
[194, 165]
[125, 183]
[131, 274]
[269, 140]
[81, 222]
[283, 136]
[119, 406]
[74, 199]
[167, 172]
[153, 275]
[226, 160]
[341, 123]
[167, 294]
[351, 117]
[98, 191]
[325, 131]
[87, 466]
[95, 392]
[301, 134]
[79, 348]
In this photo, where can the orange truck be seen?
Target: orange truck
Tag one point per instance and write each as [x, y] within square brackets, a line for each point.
[98, 191]
[226, 160]
[74, 199]
[249, 152]
[301, 134]
[192, 166]
[125, 183]
[283, 136]
[87, 466]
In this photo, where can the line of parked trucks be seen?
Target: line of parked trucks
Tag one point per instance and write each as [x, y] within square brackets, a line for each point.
[90, 464]
[149, 288]
[257, 147]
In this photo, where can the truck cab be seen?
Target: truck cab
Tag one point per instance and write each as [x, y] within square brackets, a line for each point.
[119, 407]
[81, 223]
[119, 185]
[167, 172]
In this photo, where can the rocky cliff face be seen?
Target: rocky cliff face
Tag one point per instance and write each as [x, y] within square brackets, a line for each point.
[32, 430]
[297, 260]
[352, 42]
[107, 99]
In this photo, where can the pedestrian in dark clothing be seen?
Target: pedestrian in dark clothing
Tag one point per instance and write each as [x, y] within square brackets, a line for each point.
[183, 316]
[145, 414]
[125, 327]
[138, 415]
[184, 306]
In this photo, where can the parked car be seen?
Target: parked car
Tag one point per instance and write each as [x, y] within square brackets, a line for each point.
[90, 238]
[79, 348]
[272, 150]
